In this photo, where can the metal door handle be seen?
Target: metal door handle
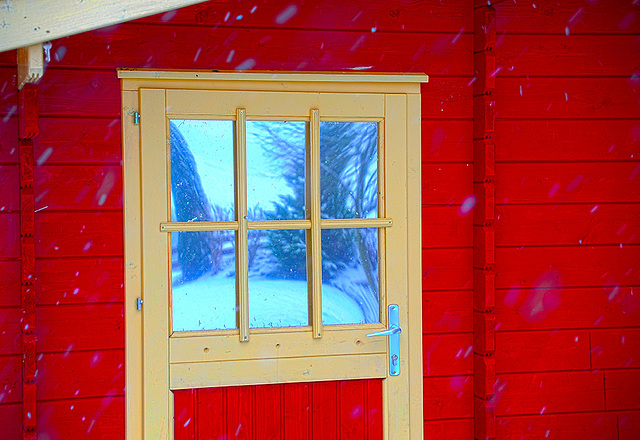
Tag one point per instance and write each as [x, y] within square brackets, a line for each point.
[393, 332]
[390, 331]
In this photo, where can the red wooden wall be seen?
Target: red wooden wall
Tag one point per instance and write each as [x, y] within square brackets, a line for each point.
[567, 182]
[567, 175]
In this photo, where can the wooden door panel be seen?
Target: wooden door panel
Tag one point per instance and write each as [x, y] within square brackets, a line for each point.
[345, 410]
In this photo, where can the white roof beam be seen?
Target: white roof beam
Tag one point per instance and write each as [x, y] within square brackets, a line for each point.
[28, 22]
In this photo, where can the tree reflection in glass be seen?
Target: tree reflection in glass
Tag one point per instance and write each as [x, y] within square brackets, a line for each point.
[202, 176]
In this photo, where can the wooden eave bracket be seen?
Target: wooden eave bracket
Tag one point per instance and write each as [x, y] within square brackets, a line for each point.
[30, 64]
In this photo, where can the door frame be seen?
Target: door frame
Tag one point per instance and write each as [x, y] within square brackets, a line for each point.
[146, 416]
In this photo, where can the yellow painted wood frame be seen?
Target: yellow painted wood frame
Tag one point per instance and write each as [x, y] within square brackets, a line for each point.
[159, 360]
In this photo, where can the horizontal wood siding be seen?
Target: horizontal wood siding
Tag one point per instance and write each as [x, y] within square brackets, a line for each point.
[78, 187]
[567, 135]
[567, 195]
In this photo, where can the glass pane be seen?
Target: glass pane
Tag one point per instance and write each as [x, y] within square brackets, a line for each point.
[203, 283]
[350, 276]
[278, 279]
[349, 169]
[202, 170]
[275, 170]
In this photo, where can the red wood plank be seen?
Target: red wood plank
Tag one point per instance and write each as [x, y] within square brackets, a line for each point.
[579, 266]
[562, 55]
[79, 281]
[447, 184]
[622, 389]
[374, 410]
[269, 416]
[11, 421]
[92, 419]
[10, 233]
[447, 311]
[211, 416]
[185, 414]
[78, 187]
[579, 16]
[567, 182]
[519, 225]
[447, 98]
[447, 269]
[10, 295]
[352, 412]
[566, 98]
[174, 47]
[9, 58]
[385, 15]
[541, 351]
[628, 425]
[77, 235]
[324, 410]
[619, 348]
[447, 141]
[448, 397]
[447, 355]
[84, 93]
[450, 226]
[547, 393]
[296, 411]
[71, 140]
[573, 308]
[592, 426]
[9, 151]
[8, 91]
[459, 429]
[68, 92]
[28, 129]
[10, 379]
[567, 140]
[9, 182]
[10, 331]
[97, 373]
[240, 412]
[72, 328]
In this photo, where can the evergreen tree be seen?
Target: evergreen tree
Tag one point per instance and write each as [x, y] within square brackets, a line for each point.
[348, 175]
[198, 251]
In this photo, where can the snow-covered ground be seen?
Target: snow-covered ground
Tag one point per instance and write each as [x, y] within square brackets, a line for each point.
[209, 303]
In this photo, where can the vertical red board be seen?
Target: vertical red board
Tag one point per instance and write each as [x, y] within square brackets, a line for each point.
[240, 412]
[211, 413]
[184, 417]
[269, 412]
[352, 411]
[374, 409]
[296, 411]
[325, 410]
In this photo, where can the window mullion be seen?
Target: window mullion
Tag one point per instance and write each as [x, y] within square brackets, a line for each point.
[242, 253]
[314, 254]
[382, 233]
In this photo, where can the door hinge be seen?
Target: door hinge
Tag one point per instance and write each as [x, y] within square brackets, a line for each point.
[136, 118]
[139, 303]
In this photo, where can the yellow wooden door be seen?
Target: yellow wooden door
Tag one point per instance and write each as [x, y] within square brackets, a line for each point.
[272, 223]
